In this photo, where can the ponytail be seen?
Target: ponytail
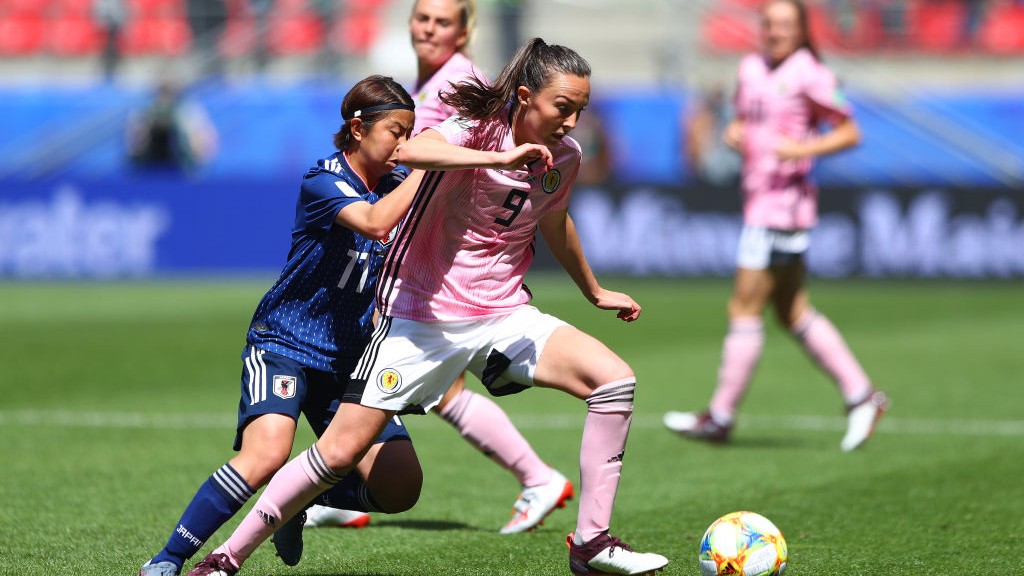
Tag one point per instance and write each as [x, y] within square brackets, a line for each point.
[533, 66]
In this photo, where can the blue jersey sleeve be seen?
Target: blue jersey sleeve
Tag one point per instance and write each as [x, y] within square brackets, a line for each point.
[321, 198]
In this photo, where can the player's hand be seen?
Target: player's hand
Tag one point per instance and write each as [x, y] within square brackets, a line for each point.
[628, 309]
[733, 135]
[525, 156]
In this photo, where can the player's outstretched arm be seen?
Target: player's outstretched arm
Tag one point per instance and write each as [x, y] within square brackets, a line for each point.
[846, 134]
[377, 220]
[559, 232]
[430, 151]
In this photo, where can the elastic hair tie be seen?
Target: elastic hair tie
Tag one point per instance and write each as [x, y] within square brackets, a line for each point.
[380, 108]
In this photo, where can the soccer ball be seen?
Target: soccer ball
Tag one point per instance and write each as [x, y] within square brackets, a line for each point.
[743, 544]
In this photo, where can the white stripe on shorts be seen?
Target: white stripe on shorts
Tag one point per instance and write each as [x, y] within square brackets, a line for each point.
[257, 371]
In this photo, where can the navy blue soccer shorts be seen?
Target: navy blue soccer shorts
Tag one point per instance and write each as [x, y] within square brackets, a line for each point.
[275, 384]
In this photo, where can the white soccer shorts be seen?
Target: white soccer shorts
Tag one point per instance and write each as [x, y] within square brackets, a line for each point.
[761, 248]
[409, 365]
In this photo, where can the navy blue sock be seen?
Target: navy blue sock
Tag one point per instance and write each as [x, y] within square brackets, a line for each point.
[349, 494]
[217, 500]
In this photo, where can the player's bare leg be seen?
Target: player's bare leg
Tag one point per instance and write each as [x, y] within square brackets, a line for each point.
[579, 364]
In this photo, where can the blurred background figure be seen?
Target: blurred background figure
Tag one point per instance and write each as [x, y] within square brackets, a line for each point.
[509, 15]
[173, 131]
[328, 58]
[590, 132]
[260, 11]
[710, 159]
[208, 19]
[110, 16]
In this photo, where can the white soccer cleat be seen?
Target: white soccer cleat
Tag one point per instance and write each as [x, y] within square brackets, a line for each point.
[861, 420]
[607, 554]
[323, 517]
[696, 425]
[536, 502]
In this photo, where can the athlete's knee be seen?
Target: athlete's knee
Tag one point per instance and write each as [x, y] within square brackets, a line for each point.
[397, 485]
[258, 463]
[339, 457]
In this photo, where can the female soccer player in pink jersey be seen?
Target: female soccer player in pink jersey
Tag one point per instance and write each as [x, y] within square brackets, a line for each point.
[451, 298]
[783, 95]
[440, 32]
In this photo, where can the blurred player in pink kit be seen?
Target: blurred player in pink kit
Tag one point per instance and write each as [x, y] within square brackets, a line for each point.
[451, 298]
[782, 96]
[440, 32]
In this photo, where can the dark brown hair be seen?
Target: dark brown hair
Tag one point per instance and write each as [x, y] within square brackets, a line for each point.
[533, 66]
[804, 23]
[371, 91]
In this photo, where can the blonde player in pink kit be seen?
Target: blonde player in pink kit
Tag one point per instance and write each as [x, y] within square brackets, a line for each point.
[440, 32]
[451, 298]
[783, 95]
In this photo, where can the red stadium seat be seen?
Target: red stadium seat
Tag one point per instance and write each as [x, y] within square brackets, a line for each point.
[937, 26]
[238, 39]
[300, 34]
[72, 8]
[359, 26]
[74, 36]
[729, 30]
[156, 8]
[1003, 30]
[20, 36]
[23, 8]
[167, 36]
[824, 31]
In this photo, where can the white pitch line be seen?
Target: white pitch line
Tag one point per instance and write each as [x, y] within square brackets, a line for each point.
[558, 421]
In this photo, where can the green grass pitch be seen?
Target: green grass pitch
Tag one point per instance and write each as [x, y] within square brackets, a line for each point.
[117, 400]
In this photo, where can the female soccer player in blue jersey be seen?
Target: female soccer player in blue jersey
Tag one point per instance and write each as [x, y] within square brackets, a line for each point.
[309, 330]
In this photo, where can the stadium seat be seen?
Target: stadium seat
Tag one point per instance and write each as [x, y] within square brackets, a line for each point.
[824, 30]
[238, 39]
[72, 8]
[23, 8]
[74, 36]
[359, 25]
[729, 30]
[1003, 30]
[167, 36]
[21, 36]
[156, 8]
[936, 26]
[297, 34]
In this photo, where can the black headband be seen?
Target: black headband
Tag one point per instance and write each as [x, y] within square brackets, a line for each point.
[380, 108]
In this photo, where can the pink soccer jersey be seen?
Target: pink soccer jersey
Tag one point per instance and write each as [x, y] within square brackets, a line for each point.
[468, 238]
[430, 111]
[787, 102]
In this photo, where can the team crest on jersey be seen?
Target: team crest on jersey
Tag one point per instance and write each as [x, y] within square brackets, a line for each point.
[552, 178]
[389, 381]
[284, 386]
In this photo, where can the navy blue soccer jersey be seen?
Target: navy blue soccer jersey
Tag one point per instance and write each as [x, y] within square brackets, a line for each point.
[320, 310]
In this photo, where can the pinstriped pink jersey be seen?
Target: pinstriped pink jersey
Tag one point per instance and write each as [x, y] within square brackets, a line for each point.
[789, 101]
[468, 239]
[430, 111]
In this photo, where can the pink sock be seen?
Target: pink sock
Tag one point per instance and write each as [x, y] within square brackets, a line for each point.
[609, 412]
[485, 425]
[294, 486]
[826, 346]
[741, 352]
